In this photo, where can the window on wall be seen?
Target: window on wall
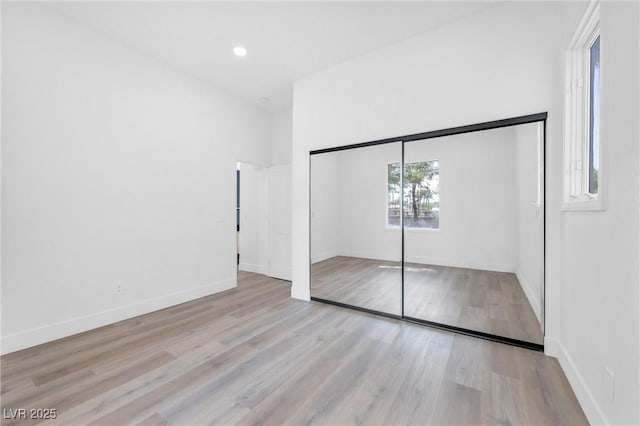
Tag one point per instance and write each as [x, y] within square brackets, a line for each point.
[584, 175]
[594, 115]
[420, 200]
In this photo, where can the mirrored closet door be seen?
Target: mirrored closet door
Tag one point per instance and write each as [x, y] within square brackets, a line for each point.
[444, 228]
[473, 231]
[356, 237]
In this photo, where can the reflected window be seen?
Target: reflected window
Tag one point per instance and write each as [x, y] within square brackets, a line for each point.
[420, 202]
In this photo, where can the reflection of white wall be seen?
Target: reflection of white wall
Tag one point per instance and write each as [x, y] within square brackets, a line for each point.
[254, 219]
[348, 204]
[529, 214]
[478, 220]
[478, 214]
[363, 200]
[325, 206]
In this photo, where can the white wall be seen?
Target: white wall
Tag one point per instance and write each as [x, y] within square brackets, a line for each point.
[599, 278]
[254, 218]
[505, 62]
[1, 175]
[116, 169]
[279, 249]
[281, 137]
[529, 233]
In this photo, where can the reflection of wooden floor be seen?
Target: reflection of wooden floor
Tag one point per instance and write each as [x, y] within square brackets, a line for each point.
[367, 283]
[491, 302]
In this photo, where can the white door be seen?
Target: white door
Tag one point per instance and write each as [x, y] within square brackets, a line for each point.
[280, 222]
[253, 236]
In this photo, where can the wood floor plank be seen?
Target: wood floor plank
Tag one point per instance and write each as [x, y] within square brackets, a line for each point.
[79, 392]
[253, 355]
[278, 406]
[187, 357]
[419, 391]
[500, 401]
[249, 382]
[457, 405]
[322, 405]
[154, 420]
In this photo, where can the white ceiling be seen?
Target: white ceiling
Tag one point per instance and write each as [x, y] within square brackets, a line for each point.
[285, 40]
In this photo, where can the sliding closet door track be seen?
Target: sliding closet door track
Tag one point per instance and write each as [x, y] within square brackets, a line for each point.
[356, 308]
[458, 330]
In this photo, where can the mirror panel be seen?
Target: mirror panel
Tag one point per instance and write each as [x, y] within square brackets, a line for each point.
[355, 249]
[473, 235]
[447, 230]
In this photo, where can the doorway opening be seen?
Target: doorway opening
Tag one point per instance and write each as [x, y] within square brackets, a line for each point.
[252, 217]
[263, 219]
[237, 214]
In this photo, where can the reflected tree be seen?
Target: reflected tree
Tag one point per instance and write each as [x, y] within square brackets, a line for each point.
[417, 177]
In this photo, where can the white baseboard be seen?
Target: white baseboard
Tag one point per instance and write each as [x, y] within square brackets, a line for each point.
[249, 267]
[592, 410]
[533, 299]
[280, 273]
[38, 335]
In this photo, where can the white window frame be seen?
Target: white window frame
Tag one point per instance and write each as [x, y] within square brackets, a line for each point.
[577, 119]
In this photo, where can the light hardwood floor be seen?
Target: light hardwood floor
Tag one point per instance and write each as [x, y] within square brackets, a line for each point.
[491, 302]
[252, 355]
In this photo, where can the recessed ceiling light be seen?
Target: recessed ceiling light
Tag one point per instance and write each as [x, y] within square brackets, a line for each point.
[240, 51]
